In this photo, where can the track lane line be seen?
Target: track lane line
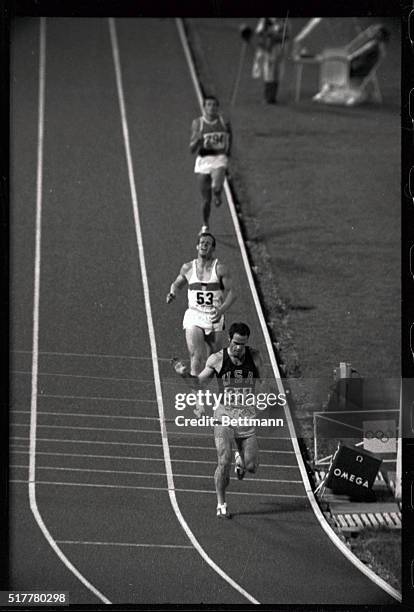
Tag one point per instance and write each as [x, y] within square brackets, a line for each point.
[164, 489]
[166, 450]
[89, 456]
[128, 544]
[100, 399]
[84, 376]
[92, 415]
[187, 446]
[101, 471]
[314, 504]
[143, 431]
[98, 355]
[35, 340]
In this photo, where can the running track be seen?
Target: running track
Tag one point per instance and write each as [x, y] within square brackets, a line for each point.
[97, 449]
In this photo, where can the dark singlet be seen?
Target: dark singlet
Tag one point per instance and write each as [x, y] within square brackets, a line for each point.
[215, 136]
[237, 379]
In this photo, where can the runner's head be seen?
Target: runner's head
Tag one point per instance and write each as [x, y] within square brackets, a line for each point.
[206, 244]
[239, 336]
[210, 106]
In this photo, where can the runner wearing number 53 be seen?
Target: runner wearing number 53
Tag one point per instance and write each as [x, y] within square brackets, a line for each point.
[210, 295]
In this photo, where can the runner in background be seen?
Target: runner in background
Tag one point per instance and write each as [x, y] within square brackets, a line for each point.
[211, 139]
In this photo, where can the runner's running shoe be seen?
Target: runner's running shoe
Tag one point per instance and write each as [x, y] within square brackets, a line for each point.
[239, 467]
[222, 512]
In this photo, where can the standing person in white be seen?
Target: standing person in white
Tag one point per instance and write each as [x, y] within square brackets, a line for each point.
[271, 35]
[210, 295]
[211, 139]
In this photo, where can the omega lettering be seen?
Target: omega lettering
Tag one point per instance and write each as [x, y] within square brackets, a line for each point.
[351, 478]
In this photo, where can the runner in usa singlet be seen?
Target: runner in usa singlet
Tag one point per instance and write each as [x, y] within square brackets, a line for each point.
[237, 382]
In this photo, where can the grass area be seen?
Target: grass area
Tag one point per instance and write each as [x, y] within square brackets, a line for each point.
[380, 549]
[318, 189]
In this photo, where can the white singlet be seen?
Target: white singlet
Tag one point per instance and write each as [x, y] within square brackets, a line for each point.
[203, 298]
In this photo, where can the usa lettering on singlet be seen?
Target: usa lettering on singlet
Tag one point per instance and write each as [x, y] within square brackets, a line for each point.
[237, 383]
[215, 136]
[204, 296]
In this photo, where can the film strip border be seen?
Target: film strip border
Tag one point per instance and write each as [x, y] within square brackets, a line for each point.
[407, 302]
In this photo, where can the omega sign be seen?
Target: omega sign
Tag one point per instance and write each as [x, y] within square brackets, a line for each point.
[352, 472]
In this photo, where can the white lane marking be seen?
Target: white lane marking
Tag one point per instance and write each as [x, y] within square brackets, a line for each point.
[35, 346]
[283, 495]
[84, 376]
[318, 513]
[250, 481]
[60, 354]
[150, 324]
[115, 416]
[128, 544]
[144, 431]
[89, 456]
[188, 446]
[100, 399]
[141, 431]
[163, 489]
[79, 428]
[92, 470]
[92, 415]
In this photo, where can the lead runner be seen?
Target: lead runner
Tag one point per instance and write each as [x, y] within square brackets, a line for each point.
[237, 369]
[211, 139]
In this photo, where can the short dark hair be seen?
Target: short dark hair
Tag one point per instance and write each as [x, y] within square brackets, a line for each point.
[206, 234]
[210, 97]
[239, 328]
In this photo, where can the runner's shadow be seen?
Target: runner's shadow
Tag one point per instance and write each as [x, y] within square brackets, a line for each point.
[274, 509]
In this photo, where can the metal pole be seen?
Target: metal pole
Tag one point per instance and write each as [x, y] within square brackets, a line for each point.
[239, 71]
[399, 451]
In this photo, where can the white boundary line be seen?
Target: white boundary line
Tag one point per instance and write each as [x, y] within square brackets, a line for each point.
[318, 513]
[36, 294]
[166, 449]
[84, 376]
[143, 431]
[99, 355]
[14, 450]
[100, 399]
[209, 491]
[134, 473]
[188, 446]
[92, 415]
[128, 544]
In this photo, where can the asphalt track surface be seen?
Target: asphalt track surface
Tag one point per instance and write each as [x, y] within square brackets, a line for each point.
[101, 484]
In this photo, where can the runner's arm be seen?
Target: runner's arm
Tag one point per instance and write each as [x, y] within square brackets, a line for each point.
[227, 282]
[261, 386]
[196, 139]
[204, 376]
[230, 138]
[179, 283]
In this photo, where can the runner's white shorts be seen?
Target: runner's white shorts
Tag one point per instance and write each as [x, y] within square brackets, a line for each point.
[195, 318]
[232, 431]
[204, 165]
